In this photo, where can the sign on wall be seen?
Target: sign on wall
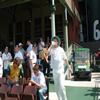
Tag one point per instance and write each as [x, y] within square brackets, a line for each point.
[94, 20]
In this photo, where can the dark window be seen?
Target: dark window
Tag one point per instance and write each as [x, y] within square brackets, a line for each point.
[47, 22]
[10, 32]
[27, 29]
[37, 28]
[19, 27]
[59, 25]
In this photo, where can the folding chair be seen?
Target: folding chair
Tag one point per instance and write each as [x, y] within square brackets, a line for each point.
[30, 93]
[10, 98]
[4, 89]
[16, 91]
[2, 80]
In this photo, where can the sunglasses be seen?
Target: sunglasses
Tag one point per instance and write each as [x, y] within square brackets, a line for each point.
[35, 72]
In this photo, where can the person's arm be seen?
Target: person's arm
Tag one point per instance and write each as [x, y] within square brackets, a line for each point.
[66, 61]
[9, 60]
[31, 63]
[48, 52]
[10, 57]
[5, 60]
[38, 85]
[45, 57]
[9, 78]
[42, 45]
[22, 81]
[31, 56]
[21, 60]
[21, 57]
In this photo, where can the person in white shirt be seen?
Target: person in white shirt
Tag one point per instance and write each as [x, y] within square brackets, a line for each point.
[41, 47]
[29, 48]
[38, 80]
[58, 57]
[20, 45]
[18, 53]
[6, 57]
[1, 65]
[36, 50]
[33, 58]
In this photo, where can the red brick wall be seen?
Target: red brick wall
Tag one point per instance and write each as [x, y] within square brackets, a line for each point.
[73, 26]
[76, 4]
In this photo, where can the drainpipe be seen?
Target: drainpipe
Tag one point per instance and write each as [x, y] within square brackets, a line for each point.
[52, 10]
[66, 31]
[65, 23]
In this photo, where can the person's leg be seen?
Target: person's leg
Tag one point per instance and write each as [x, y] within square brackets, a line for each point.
[41, 93]
[56, 83]
[9, 83]
[48, 71]
[31, 69]
[44, 66]
[61, 86]
[5, 72]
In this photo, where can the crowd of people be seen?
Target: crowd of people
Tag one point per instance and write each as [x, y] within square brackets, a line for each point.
[25, 64]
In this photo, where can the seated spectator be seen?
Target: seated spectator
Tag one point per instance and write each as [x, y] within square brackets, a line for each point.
[14, 71]
[1, 65]
[38, 80]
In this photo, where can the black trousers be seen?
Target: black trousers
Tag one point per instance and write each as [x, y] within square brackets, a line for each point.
[46, 66]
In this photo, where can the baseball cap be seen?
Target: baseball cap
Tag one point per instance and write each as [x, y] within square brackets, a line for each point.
[33, 45]
[20, 44]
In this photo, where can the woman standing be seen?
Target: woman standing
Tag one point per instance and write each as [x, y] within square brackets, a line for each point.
[48, 42]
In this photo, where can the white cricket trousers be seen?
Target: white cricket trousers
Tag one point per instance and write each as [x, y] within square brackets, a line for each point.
[31, 69]
[59, 85]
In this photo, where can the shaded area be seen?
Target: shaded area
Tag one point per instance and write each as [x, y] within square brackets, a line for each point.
[51, 85]
[77, 93]
[82, 93]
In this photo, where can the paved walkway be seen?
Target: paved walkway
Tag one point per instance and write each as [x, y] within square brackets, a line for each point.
[79, 90]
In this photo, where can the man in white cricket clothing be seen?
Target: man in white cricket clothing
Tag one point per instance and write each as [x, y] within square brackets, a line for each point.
[58, 57]
[33, 59]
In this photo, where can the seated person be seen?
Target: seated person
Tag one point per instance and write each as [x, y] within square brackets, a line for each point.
[14, 71]
[38, 80]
